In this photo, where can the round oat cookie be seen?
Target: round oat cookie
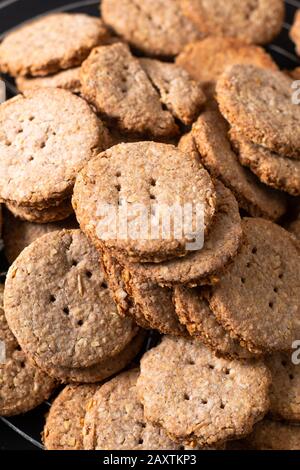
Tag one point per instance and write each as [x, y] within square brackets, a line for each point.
[285, 388]
[199, 398]
[64, 423]
[258, 297]
[103, 370]
[202, 266]
[18, 234]
[193, 311]
[46, 132]
[210, 133]
[272, 169]
[74, 322]
[67, 79]
[156, 27]
[152, 176]
[115, 83]
[295, 31]
[255, 22]
[58, 212]
[50, 43]
[22, 385]
[207, 59]
[258, 103]
[115, 419]
[272, 435]
[182, 95]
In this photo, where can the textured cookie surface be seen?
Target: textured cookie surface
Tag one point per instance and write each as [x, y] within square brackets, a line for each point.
[199, 398]
[156, 27]
[193, 311]
[210, 133]
[67, 79]
[54, 213]
[179, 92]
[258, 103]
[74, 322]
[116, 84]
[258, 298]
[51, 43]
[202, 266]
[272, 435]
[46, 132]
[272, 169]
[295, 31]
[64, 423]
[246, 20]
[152, 175]
[22, 385]
[115, 419]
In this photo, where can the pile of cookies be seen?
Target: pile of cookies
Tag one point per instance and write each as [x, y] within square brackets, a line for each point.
[157, 104]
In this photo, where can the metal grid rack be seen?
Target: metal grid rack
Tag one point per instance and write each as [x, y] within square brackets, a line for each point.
[23, 432]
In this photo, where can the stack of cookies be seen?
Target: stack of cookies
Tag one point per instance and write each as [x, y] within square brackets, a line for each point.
[148, 168]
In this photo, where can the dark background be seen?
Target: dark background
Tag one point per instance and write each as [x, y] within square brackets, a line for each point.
[23, 432]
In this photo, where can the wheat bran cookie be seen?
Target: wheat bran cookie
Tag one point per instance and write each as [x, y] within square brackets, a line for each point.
[67, 79]
[55, 213]
[64, 423]
[18, 234]
[254, 22]
[199, 398]
[22, 385]
[148, 173]
[115, 83]
[74, 323]
[158, 27]
[272, 169]
[295, 31]
[258, 297]
[207, 59]
[46, 132]
[258, 104]
[182, 96]
[115, 419]
[193, 311]
[285, 388]
[103, 370]
[202, 266]
[51, 43]
[295, 74]
[210, 133]
[272, 435]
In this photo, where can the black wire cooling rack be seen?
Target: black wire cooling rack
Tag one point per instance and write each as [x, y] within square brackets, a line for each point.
[23, 432]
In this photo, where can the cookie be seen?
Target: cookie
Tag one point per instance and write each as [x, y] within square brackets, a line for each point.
[284, 392]
[258, 103]
[115, 83]
[18, 234]
[74, 323]
[64, 423]
[158, 28]
[254, 22]
[207, 59]
[199, 398]
[150, 174]
[22, 386]
[152, 305]
[55, 213]
[258, 297]
[203, 266]
[295, 31]
[102, 370]
[295, 74]
[50, 43]
[294, 227]
[182, 96]
[46, 132]
[271, 435]
[115, 419]
[193, 311]
[210, 133]
[272, 169]
[67, 79]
